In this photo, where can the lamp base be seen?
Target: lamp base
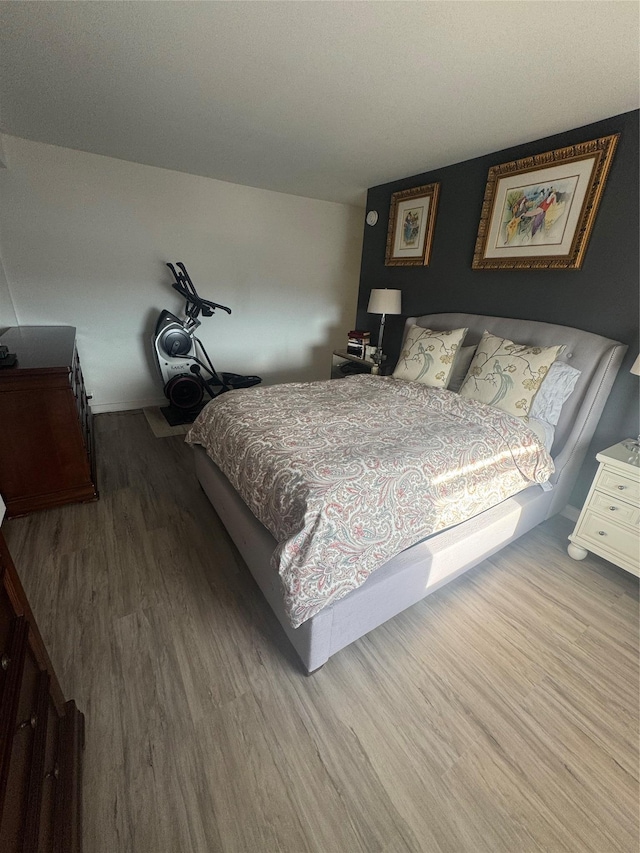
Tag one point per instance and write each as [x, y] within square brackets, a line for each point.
[633, 446]
[378, 357]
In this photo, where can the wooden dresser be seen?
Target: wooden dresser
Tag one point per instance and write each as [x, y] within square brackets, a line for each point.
[41, 735]
[46, 451]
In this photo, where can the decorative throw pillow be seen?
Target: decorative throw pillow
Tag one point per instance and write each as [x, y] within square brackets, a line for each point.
[554, 392]
[428, 356]
[460, 367]
[507, 375]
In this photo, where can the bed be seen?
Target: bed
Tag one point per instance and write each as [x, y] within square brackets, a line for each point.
[319, 631]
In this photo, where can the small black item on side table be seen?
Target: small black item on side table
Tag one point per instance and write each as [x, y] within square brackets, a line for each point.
[7, 359]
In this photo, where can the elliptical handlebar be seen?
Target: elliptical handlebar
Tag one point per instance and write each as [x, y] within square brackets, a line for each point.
[195, 304]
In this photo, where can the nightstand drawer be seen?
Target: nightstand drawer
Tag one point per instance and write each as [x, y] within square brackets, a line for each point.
[620, 511]
[608, 535]
[619, 485]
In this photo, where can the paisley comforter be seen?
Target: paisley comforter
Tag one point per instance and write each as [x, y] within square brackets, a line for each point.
[347, 473]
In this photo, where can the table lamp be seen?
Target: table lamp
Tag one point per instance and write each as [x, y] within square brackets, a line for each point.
[383, 301]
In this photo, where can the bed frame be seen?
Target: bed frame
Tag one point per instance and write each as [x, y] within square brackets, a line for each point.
[423, 568]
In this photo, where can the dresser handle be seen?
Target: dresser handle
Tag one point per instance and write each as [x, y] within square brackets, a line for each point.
[32, 721]
[613, 508]
[601, 533]
[5, 660]
[622, 488]
[53, 774]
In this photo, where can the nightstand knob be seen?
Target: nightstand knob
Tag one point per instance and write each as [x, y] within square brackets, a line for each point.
[613, 508]
[622, 488]
[601, 533]
[5, 660]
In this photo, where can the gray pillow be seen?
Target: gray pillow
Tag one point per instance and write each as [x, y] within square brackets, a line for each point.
[460, 367]
[554, 391]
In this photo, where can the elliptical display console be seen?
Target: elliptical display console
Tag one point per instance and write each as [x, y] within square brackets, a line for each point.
[185, 367]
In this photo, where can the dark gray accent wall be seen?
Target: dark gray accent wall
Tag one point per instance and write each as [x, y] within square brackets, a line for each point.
[602, 297]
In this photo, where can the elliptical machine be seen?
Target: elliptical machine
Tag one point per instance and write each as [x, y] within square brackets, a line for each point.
[182, 358]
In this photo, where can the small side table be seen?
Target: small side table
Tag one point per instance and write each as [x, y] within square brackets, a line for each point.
[343, 364]
[609, 522]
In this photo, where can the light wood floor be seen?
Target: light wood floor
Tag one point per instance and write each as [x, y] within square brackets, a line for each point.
[500, 714]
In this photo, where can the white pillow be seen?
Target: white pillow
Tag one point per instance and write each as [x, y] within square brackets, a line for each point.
[507, 375]
[554, 392]
[543, 429]
[428, 356]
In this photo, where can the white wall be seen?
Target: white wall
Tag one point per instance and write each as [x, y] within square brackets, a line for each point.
[7, 311]
[84, 239]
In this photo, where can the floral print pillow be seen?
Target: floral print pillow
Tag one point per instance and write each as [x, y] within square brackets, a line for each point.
[507, 375]
[428, 356]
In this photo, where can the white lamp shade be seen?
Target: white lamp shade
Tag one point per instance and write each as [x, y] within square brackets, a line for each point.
[635, 367]
[385, 302]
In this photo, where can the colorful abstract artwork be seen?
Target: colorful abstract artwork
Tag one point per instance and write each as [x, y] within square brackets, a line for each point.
[538, 213]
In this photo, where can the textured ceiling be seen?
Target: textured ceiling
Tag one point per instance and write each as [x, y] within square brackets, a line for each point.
[320, 99]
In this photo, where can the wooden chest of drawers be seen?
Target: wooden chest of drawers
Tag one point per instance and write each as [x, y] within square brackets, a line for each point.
[41, 735]
[46, 452]
[609, 522]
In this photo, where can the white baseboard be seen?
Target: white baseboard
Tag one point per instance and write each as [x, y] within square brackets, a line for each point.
[571, 513]
[128, 405]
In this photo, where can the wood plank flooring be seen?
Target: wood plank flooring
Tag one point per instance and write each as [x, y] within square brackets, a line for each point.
[500, 714]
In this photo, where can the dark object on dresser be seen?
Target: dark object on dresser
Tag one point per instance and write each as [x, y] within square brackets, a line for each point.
[41, 735]
[7, 359]
[46, 452]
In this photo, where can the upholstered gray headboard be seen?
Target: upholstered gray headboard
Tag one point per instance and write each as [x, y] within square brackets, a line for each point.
[598, 360]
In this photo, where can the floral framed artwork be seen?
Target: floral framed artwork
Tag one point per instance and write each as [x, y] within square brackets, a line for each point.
[538, 213]
[411, 222]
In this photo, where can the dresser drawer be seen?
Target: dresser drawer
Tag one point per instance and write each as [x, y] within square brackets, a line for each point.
[609, 536]
[6, 625]
[25, 723]
[613, 483]
[41, 736]
[11, 659]
[50, 782]
[11, 665]
[613, 507]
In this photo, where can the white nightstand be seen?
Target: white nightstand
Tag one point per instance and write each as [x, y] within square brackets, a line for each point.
[609, 522]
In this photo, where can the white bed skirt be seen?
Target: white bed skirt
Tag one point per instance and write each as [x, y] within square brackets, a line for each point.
[403, 581]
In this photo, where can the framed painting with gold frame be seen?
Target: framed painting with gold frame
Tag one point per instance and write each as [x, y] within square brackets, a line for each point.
[411, 222]
[538, 213]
